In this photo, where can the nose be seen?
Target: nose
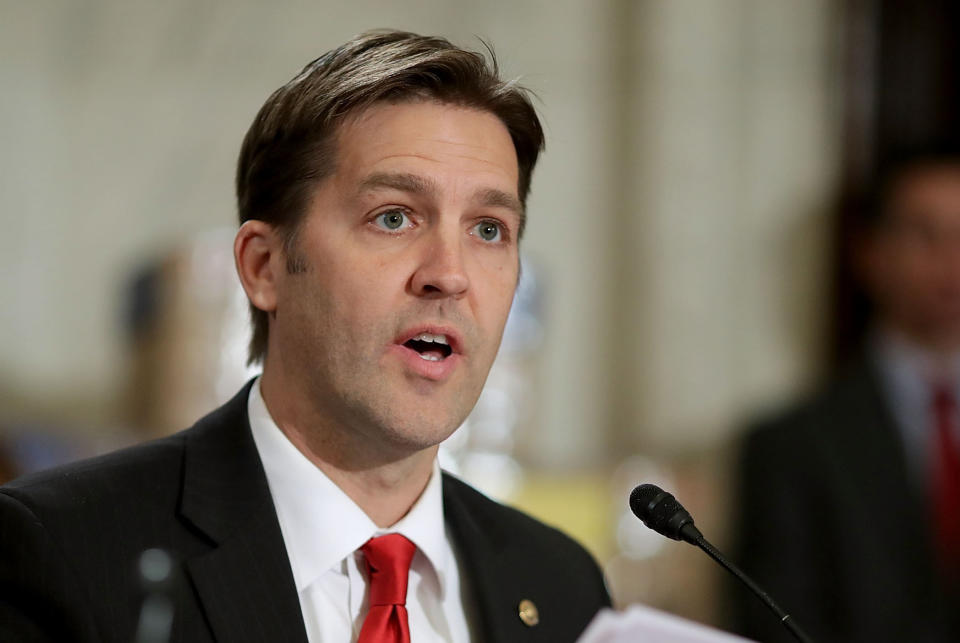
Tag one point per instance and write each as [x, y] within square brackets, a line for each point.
[441, 272]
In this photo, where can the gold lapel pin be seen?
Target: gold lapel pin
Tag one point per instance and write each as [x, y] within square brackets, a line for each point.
[528, 612]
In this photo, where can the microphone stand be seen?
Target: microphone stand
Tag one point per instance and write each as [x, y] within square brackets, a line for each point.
[693, 536]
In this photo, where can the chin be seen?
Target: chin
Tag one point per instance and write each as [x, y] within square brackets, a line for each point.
[409, 421]
[411, 429]
[419, 435]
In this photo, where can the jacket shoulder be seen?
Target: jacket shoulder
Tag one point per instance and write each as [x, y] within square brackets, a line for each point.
[143, 474]
[108, 479]
[519, 528]
[70, 535]
[511, 557]
[851, 396]
[519, 539]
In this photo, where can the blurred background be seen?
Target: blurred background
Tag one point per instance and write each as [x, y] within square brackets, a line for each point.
[683, 266]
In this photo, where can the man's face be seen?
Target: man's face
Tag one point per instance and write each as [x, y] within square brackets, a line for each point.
[915, 257]
[411, 258]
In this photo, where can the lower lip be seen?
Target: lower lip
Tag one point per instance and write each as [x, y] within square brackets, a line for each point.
[438, 370]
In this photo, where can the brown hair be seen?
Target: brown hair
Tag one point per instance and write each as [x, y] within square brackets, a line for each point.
[289, 148]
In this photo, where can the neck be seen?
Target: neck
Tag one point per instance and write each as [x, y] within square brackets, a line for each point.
[942, 346]
[384, 480]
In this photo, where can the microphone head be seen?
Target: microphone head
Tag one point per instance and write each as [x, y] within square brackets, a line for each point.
[661, 512]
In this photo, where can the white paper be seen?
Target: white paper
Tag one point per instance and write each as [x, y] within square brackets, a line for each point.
[639, 623]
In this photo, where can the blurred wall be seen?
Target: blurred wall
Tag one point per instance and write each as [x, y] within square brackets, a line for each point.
[729, 176]
[677, 216]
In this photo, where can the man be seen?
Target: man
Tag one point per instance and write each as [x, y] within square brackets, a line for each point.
[851, 502]
[382, 198]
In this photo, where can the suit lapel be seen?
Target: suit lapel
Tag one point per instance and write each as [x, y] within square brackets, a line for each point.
[870, 446]
[480, 550]
[495, 584]
[244, 582]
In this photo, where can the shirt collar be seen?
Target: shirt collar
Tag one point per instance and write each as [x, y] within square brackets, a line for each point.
[911, 369]
[321, 525]
[424, 526]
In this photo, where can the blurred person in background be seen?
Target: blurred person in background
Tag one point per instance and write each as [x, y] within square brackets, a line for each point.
[850, 502]
[382, 198]
[8, 469]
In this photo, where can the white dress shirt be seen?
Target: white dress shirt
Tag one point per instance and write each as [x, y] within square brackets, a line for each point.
[323, 530]
[908, 374]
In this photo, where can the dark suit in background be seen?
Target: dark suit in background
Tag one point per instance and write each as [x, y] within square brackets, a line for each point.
[70, 539]
[833, 525]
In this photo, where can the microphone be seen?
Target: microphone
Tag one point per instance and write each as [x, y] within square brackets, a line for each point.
[661, 512]
[156, 571]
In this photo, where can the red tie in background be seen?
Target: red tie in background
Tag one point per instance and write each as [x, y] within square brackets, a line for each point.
[388, 565]
[946, 481]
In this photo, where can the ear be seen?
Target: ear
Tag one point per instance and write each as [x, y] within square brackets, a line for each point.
[257, 254]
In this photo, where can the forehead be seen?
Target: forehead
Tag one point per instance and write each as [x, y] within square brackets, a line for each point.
[444, 141]
[929, 188]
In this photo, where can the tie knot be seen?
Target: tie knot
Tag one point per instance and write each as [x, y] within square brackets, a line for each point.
[388, 565]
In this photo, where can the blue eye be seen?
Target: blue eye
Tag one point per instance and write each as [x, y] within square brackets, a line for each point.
[488, 231]
[392, 220]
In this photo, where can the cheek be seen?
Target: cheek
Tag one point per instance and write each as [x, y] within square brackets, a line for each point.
[501, 266]
[308, 309]
[366, 300]
[495, 290]
[920, 271]
[904, 265]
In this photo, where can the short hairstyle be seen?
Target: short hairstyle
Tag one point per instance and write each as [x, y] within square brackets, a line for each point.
[290, 147]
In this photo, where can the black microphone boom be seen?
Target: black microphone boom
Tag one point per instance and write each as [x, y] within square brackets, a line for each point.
[661, 512]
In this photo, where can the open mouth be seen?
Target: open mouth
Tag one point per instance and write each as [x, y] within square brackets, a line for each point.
[430, 347]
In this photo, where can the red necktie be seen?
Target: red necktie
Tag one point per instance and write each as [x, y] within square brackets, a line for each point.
[388, 565]
[946, 481]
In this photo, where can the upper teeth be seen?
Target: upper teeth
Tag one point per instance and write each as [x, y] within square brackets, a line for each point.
[429, 337]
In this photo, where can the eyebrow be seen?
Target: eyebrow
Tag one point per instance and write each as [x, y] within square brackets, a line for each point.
[419, 185]
[398, 181]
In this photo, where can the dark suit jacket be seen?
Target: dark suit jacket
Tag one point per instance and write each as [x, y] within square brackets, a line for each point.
[835, 527]
[70, 539]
